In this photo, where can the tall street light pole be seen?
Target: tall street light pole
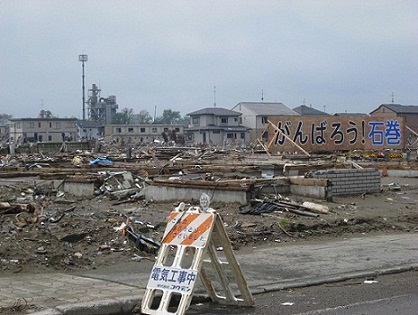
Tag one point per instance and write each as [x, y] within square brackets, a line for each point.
[83, 59]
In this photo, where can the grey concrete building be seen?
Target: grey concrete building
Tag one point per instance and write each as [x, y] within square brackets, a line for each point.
[88, 130]
[142, 134]
[32, 130]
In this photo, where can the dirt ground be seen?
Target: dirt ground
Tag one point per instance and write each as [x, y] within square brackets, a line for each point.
[75, 235]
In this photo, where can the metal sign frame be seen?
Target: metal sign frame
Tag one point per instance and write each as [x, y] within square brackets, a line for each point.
[196, 237]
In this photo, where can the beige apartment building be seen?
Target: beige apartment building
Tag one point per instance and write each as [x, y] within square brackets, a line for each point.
[142, 134]
[32, 130]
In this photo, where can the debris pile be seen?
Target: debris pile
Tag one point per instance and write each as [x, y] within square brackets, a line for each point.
[83, 210]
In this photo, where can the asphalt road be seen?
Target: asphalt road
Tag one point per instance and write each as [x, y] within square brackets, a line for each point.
[384, 295]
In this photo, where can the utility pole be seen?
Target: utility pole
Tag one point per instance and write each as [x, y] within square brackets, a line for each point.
[83, 59]
[214, 96]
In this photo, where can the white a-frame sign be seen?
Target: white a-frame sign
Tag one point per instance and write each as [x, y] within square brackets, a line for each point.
[192, 243]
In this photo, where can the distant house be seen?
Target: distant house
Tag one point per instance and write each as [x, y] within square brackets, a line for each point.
[409, 112]
[88, 130]
[32, 130]
[255, 116]
[350, 114]
[4, 131]
[142, 134]
[308, 111]
[215, 126]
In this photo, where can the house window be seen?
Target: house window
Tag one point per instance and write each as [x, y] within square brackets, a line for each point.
[142, 130]
[236, 119]
[57, 125]
[49, 138]
[216, 131]
[130, 129]
[154, 129]
[264, 119]
[39, 125]
[177, 129]
[165, 129]
[50, 125]
[195, 120]
[242, 135]
[118, 130]
[230, 136]
[224, 120]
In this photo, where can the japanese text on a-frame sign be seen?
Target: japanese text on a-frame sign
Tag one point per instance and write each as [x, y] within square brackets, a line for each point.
[173, 279]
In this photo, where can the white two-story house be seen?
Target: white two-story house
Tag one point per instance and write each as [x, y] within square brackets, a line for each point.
[215, 126]
[255, 116]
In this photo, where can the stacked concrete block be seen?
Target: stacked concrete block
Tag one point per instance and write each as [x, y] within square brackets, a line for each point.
[351, 181]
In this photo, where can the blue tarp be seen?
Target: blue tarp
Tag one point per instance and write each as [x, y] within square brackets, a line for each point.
[101, 161]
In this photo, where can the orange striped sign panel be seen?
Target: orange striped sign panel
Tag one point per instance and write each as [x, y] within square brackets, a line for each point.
[192, 229]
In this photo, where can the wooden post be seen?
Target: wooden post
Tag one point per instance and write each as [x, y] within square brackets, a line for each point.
[287, 137]
[264, 147]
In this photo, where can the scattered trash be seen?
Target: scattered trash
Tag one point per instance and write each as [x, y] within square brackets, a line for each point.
[77, 161]
[370, 281]
[78, 255]
[74, 237]
[263, 207]
[394, 186]
[315, 207]
[141, 242]
[40, 216]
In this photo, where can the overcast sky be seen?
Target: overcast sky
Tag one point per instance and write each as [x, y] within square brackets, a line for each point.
[334, 55]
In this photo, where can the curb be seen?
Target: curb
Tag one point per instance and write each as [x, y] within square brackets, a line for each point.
[129, 304]
[102, 307]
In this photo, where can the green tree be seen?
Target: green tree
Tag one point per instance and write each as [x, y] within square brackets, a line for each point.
[144, 117]
[5, 117]
[169, 117]
[124, 117]
[45, 114]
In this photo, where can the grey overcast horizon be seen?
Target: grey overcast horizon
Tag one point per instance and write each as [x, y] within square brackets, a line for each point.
[335, 56]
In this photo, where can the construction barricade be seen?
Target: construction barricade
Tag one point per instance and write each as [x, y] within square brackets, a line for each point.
[190, 246]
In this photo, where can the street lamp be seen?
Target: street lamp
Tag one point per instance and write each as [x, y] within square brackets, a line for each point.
[82, 59]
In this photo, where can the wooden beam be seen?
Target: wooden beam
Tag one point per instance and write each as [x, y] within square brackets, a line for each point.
[264, 147]
[287, 137]
[411, 130]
